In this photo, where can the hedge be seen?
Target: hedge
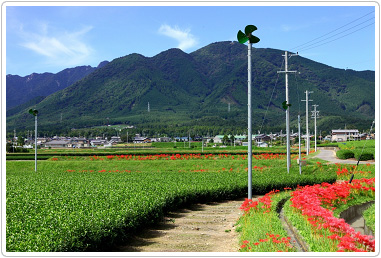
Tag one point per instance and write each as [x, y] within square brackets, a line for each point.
[345, 154]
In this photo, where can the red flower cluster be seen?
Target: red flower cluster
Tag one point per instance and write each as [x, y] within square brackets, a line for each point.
[100, 171]
[269, 156]
[187, 156]
[343, 173]
[272, 239]
[263, 203]
[317, 202]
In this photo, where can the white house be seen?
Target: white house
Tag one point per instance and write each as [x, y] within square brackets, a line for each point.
[344, 135]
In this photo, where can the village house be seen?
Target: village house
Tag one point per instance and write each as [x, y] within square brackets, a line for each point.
[79, 142]
[344, 135]
[58, 144]
[139, 139]
[98, 142]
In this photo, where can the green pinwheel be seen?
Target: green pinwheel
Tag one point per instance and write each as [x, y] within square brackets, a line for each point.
[247, 36]
[285, 105]
[33, 112]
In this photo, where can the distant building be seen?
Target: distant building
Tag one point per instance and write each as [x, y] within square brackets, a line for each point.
[58, 144]
[98, 142]
[142, 140]
[344, 135]
[115, 139]
[262, 144]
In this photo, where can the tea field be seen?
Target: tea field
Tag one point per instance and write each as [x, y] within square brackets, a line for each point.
[89, 203]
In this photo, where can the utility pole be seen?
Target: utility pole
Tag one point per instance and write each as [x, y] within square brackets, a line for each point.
[315, 114]
[307, 131]
[287, 107]
[300, 154]
[229, 107]
[148, 107]
[243, 38]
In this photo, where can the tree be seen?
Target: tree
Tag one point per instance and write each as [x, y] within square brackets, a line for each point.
[20, 141]
[232, 138]
[225, 139]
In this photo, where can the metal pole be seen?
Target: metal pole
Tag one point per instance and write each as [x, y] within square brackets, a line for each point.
[300, 154]
[35, 143]
[287, 117]
[307, 132]
[249, 152]
[315, 115]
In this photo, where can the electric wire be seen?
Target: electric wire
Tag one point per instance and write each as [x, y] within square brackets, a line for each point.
[304, 49]
[297, 91]
[333, 31]
[268, 105]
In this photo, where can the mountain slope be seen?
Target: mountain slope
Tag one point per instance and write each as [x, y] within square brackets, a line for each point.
[195, 90]
[20, 90]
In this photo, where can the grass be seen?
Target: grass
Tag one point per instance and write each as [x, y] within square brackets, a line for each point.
[370, 217]
[260, 227]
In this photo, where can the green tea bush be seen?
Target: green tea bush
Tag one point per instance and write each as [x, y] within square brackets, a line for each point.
[84, 205]
[345, 154]
[364, 156]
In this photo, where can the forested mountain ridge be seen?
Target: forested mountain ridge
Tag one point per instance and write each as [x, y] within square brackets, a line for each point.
[196, 89]
[20, 90]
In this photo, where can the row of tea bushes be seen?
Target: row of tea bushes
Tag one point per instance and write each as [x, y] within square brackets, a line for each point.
[65, 208]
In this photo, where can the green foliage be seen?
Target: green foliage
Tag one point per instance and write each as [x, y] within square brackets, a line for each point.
[365, 148]
[364, 156]
[257, 226]
[13, 149]
[370, 217]
[84, 204]
[345, 154]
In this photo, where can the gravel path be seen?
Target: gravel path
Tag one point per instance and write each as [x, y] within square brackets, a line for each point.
[208, 227]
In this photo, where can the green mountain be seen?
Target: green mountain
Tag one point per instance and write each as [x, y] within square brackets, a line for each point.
[20, 90]
[194, 91]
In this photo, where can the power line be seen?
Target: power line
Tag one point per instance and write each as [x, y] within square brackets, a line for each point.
[276, 82]
[333, 30]
[337, 38]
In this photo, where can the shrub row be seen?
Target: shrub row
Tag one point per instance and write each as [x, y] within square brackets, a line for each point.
[53, 210]
[348, 154]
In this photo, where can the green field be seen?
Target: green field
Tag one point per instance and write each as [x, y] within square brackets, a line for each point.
[88, 203]
[365, 148]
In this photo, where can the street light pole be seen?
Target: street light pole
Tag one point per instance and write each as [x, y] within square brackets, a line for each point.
[34, 112]
[249, 121]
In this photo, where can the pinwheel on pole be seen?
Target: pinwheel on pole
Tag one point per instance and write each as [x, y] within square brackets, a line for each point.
[251, 39]
[34, 112]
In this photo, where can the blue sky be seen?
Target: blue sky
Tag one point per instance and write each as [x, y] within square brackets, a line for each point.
[51, 38]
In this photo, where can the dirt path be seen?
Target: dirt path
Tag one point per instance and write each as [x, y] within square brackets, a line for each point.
[206, 227]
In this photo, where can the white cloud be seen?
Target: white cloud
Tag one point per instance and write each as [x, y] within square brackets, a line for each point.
[184, 37]
[58, 47]
[287, 28]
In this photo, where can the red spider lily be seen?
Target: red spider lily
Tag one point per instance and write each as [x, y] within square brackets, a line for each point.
[316, 204]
